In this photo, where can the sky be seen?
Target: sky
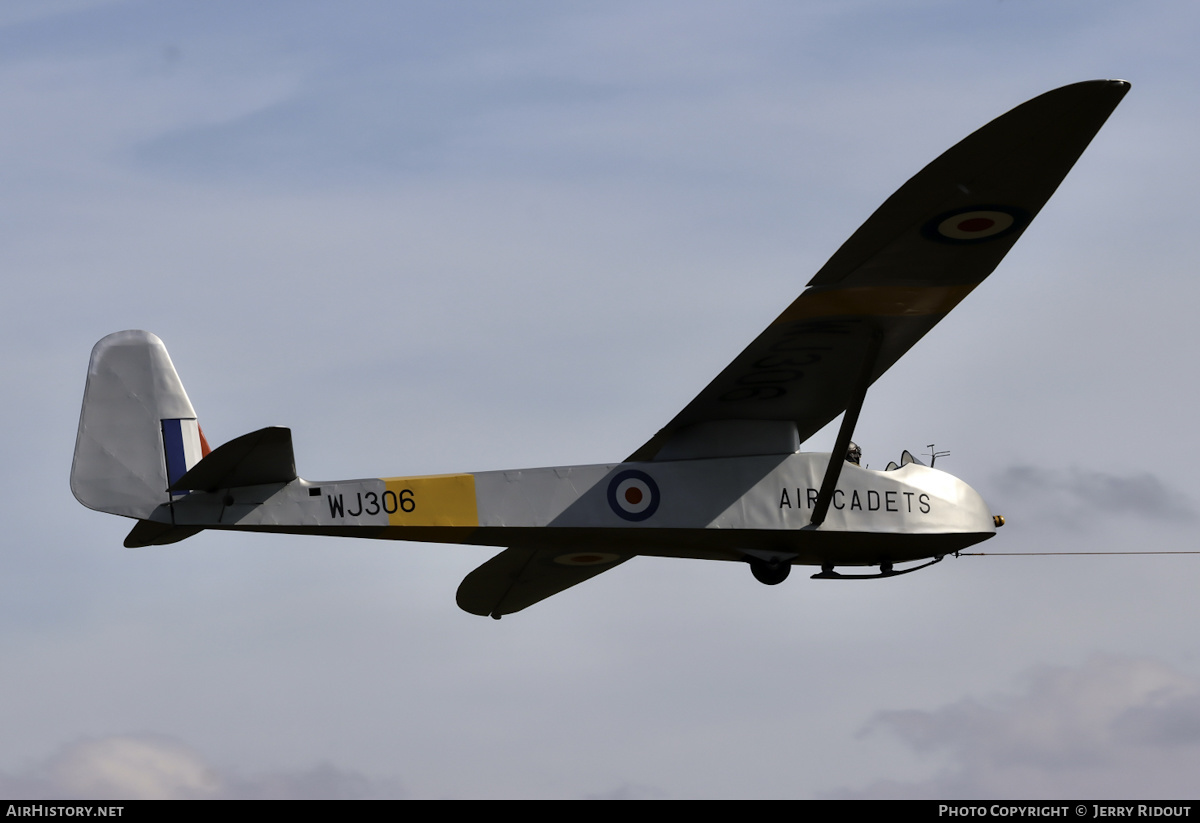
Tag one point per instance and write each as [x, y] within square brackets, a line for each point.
[437, 237]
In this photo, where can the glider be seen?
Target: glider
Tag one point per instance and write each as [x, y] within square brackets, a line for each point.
[724, 480]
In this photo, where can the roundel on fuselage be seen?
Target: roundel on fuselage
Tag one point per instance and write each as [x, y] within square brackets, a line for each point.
[633, 495]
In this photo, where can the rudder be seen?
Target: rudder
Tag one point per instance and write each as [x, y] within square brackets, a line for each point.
[137, 430]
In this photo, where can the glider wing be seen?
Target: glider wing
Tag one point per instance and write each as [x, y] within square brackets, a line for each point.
[521, 576]
[917, 256]
[914, 259]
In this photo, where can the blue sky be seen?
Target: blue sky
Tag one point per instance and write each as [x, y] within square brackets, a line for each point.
[439, 237]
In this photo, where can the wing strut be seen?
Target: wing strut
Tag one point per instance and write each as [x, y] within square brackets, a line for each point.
[849, 420]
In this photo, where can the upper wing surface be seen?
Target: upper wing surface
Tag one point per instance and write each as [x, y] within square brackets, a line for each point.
[914, 259]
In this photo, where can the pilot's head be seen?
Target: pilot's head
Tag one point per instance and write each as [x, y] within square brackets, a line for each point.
[854, 454]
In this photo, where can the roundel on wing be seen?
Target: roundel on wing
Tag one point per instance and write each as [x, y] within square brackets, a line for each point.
[633, 495]
[974, 224]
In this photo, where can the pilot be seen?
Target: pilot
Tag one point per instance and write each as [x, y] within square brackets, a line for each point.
[854, 454]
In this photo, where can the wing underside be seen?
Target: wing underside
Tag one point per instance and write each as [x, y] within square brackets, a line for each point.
[914, 259]
[521, 576]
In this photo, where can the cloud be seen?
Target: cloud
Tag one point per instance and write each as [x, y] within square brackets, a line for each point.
[153, 767]
[1111, 727]
[1078, 494]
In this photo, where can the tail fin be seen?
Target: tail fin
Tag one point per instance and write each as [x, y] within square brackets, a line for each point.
[138, 433]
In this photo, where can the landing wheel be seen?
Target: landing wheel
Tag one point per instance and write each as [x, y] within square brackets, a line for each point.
[770, 573]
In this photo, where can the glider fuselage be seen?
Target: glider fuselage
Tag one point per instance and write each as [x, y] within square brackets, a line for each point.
[667, 508]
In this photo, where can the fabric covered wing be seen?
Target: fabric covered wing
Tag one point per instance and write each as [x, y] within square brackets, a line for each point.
[521, 576]
[917, 256]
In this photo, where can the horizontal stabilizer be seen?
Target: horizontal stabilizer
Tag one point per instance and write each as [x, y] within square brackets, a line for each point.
[254, 459]
[151, 533]
[521, 576]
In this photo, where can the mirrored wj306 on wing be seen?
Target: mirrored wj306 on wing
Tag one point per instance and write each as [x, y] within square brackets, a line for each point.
[724, 480]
